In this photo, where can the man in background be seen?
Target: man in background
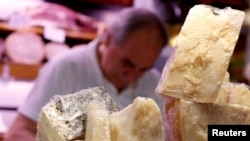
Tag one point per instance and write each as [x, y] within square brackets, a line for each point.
[121, 60]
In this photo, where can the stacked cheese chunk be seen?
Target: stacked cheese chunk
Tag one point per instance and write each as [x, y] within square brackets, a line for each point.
[203, 50]
[139, 121]
[64, 117]
[195, 81]
[92, 115]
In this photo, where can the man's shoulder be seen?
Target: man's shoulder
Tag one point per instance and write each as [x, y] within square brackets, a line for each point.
[73, 55]
[152, 74]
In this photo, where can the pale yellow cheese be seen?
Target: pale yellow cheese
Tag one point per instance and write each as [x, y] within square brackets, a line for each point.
[195, 117]
[64, 117]
[97, 123]
[91, 115]
[188, 121]
[234, 93]
[222, 96]
[203, 50]
[140, 121]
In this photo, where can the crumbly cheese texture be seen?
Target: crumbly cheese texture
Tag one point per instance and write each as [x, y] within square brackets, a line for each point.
[140, 121]
[204, 47]
[196, 116]
[186, 118]
[234, 93]
[64, 117]
[188, 121]
[97, 123]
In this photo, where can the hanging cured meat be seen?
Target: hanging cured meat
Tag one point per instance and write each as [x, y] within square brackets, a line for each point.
[50, 14]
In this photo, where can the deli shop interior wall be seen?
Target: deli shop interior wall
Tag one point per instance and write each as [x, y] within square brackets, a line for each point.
[16, 80]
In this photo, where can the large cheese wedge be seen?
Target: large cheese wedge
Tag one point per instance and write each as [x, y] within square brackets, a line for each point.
[140, 121]
[204, 47]
[188, 121]
[64, 117]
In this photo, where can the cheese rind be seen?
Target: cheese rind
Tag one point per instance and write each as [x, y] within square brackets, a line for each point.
[203, 50]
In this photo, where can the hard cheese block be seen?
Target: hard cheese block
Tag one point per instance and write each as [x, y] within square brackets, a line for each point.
[139, 121]
[204, 47]
[234, 93]
[64, 117]
[97, 122]
[188, 121]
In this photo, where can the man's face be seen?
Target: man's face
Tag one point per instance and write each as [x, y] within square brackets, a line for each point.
[124, 64]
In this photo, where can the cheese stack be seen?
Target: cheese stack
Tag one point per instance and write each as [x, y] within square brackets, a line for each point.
[64, 117]
[91, 115]
[188, 121]
[139, 121]
[204, 47]
[195, 82]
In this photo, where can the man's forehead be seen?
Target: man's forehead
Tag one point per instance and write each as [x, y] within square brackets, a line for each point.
[140, 58]
[136, 65]
[143, 39]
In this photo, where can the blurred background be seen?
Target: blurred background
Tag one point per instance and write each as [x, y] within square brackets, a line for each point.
[59, 25]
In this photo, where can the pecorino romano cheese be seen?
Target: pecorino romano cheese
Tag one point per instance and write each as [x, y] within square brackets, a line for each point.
[139, 121]
[203, 50]
[64, 117]
[91, 115]
[233, 93]
[188, 121]
[195, 82]
[98, 123]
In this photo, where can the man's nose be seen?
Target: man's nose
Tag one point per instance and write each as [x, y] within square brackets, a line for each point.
[134, 74]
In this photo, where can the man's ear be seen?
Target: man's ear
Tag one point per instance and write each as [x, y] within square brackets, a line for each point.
[107, 39]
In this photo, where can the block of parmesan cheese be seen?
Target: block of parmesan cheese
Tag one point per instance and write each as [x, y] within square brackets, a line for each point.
[234, 93]
[64, 117]
[188, 121]
[97, 127]
[139, 121]
[204, 47]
